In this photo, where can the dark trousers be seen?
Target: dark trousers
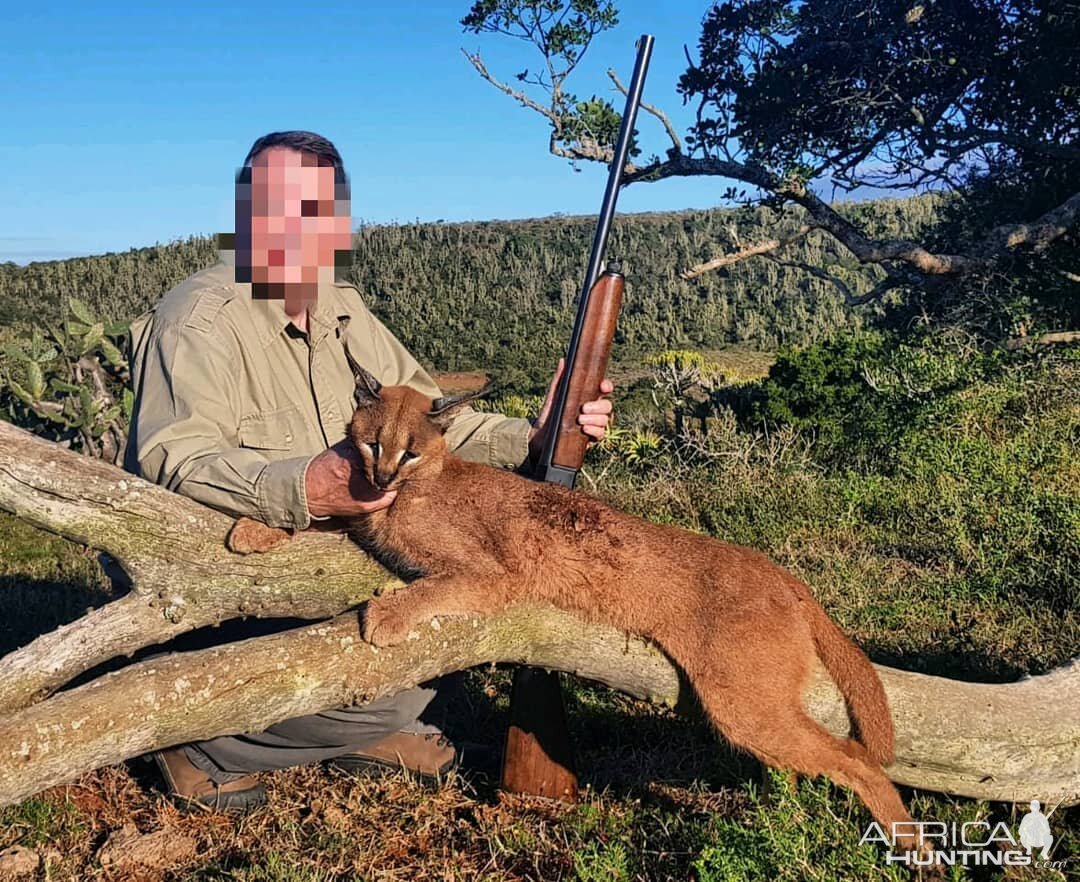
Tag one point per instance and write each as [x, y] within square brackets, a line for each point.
[300, 740]
[312, 738]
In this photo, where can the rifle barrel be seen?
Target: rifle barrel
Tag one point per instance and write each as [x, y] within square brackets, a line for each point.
[546, 470]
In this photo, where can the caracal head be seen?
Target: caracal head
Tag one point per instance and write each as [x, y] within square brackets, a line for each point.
[398, 432]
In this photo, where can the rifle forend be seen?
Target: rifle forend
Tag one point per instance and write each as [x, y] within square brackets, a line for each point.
[597, 330]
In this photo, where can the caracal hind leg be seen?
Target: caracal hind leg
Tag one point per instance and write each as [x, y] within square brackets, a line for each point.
[787, 738]
[389, 619]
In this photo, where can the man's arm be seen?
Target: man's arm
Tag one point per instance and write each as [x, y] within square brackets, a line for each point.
[184, 432]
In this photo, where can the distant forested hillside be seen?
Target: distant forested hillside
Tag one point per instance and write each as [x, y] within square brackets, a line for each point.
[500, 295]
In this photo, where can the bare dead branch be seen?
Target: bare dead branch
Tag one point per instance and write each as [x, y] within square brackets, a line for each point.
[890, 282]
[522, 99]
[1050, 338]
[756, 250]
[659, 114]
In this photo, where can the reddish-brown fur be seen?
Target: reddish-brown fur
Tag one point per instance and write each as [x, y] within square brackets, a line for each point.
[745, 631]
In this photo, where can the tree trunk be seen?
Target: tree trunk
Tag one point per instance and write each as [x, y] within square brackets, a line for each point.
[1012, 742]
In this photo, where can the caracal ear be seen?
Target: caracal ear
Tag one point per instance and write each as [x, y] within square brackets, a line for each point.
[367, 387]
[443, 409]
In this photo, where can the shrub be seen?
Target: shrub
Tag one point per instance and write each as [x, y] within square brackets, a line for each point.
[70, 388]
[858, 393]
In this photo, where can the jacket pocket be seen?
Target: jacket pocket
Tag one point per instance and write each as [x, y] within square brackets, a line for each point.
[271, 429]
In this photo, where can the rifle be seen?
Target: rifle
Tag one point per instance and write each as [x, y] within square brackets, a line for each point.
[538, 759]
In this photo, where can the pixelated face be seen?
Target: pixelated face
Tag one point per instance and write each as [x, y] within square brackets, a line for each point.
[289, 221]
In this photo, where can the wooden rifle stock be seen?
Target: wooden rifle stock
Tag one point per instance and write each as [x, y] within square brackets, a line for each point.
[538, 758]
[597, 332]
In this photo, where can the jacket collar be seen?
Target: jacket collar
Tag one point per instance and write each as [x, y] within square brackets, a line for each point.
[270, 317]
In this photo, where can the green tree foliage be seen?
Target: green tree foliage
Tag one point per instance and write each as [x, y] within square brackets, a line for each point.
[810, 84]
[116, 287]
[979, 99]
[69, 383]
[498, 297]
[501, 296]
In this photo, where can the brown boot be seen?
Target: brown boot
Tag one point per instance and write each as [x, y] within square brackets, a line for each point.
[190, 788]
[429, 757]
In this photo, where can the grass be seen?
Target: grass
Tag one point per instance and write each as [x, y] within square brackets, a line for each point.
[323, 827]
[45, 581]
[962, 561]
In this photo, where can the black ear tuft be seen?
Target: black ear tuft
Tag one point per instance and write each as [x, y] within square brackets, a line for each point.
[367, 387]
[443, 409]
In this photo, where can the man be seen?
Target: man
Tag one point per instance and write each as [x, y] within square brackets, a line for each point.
[242, 397]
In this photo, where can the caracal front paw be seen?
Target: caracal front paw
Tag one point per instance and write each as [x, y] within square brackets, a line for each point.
[248, 536]
[383, 622]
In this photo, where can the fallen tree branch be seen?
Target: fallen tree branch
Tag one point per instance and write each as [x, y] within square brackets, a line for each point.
[1005, 742]
[174, 551]
[1011, 742]
[248, 685]
[676, 144]
[1050, 338]
[890, 282]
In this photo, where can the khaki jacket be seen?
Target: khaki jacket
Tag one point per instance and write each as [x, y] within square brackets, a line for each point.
[232, 401]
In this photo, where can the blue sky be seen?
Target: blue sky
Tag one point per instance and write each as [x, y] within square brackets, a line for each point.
[123, 124]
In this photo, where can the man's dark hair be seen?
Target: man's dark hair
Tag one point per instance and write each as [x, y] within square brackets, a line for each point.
[306, 142]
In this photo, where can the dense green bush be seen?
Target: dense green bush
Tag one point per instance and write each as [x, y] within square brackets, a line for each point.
[954, 547]
[857, 393]
[823, 390]
[501, 296]
[69, 383]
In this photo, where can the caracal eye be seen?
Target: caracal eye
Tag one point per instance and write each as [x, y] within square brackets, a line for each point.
[374, 445]
[408, 454]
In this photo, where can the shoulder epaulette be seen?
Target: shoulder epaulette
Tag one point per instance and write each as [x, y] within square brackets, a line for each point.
[207, 307]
